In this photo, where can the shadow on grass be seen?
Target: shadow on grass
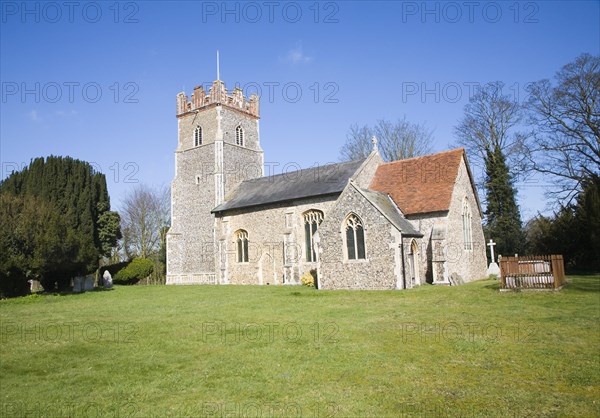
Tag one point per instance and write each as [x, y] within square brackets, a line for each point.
[589, 283]
[40, 295]
[493, 286]
[71, 293]
[308, 294]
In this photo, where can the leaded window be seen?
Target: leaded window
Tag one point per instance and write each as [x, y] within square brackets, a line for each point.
[312, 219]
[355, 238]
[241, 238]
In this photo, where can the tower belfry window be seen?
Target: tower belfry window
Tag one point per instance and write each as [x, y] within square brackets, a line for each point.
[198, 136]
[239, 136]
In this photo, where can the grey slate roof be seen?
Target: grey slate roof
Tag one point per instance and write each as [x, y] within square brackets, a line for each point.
[387, 207]
[317, 181]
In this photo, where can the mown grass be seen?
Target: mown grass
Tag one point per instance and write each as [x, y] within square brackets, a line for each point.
[289, 351]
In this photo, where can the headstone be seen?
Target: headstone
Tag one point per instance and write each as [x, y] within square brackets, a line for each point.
[108, 283]
[88, 282]
[455, 279]
[34, 285]
[78, 284]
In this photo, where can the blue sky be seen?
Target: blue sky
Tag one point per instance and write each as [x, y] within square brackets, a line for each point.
[98, 80]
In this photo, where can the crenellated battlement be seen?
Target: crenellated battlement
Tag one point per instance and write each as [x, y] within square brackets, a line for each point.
[217, 95]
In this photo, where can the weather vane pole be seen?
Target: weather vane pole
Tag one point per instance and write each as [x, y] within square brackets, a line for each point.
[218, 76]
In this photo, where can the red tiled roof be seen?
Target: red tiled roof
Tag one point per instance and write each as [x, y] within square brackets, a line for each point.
[421, 184]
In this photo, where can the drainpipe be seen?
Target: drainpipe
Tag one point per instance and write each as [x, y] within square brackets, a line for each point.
[403, 262]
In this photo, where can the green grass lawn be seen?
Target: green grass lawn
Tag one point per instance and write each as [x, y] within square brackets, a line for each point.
[289, 351]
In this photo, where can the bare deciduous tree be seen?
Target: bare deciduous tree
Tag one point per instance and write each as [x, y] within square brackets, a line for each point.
[566, 118]
[486, 132]
[145, 213]
[395, 141]
[490, 117]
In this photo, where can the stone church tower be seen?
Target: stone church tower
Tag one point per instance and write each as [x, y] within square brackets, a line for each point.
[218, 147]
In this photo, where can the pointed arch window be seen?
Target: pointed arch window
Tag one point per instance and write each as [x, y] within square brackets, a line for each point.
[241, 239]
[466, 221]
[198, 136]
[312, 220]
[354, 237]
[239, 136]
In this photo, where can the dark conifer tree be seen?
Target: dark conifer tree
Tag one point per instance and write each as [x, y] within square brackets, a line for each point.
[587, 225]
[503, 220]
[80, 196]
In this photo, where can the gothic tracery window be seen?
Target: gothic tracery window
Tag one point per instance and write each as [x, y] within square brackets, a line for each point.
[239, 136]
[241, 238]
[312, 219]
[466, 221]
[198, 136]
[355, 238]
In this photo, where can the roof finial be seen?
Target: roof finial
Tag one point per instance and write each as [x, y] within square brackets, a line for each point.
[218, 75]
[374, 141]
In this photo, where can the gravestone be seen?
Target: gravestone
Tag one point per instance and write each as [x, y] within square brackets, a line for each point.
[88, 282]
[78, 284]
[108, 283]
[34, 285]
[455, 279]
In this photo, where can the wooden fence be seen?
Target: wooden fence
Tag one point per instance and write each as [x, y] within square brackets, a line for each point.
[532, 272]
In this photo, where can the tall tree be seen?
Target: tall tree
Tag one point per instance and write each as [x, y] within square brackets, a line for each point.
[489, 123]
[145, 212]
[587, 224]
[80, 196]
[395, 141]
[486, 132]
[35, 243]
[566, 118]
[503, 220]
[109, 232]
[573, 231]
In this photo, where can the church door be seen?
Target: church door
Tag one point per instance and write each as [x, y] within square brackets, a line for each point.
[413, 263]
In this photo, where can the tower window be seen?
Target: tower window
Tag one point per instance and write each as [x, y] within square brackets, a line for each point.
[355, 238]
[466, 220]
[312, 219]
[198, 136]
[241, 238]
[239, 136]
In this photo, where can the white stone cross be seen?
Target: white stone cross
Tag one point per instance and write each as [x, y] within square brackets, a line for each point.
[491, 245]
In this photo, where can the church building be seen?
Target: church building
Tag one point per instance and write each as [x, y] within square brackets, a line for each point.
[363, 224]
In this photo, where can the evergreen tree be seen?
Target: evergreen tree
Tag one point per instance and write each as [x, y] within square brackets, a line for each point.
[574, 231]
[109, 232]
[503, 220]
[80, 196]
[587, 229]
[35, 243]
[487, 133]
